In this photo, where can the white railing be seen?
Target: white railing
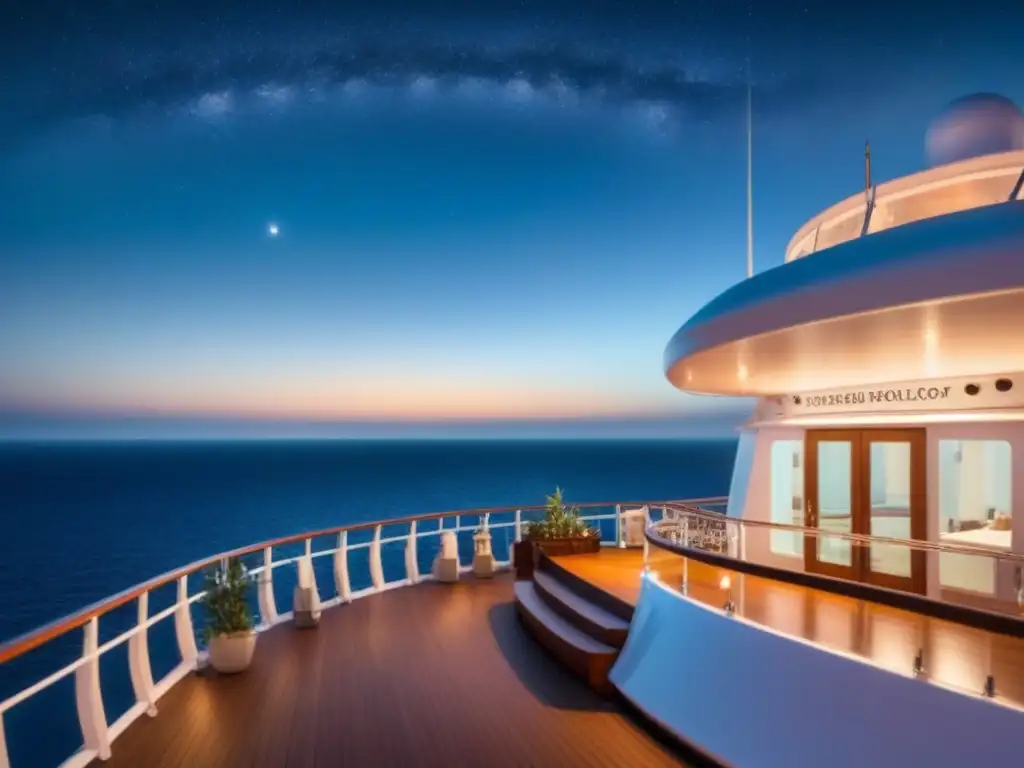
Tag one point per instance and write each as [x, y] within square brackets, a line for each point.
[98, 733]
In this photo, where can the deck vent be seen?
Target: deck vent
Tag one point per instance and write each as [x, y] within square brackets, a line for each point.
[1003, 385]
[972, 389]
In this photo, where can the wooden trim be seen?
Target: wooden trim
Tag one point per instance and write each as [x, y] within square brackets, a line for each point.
[24, 643]
[813, 514]
[917, 438]
[860, 441]
[977, 618]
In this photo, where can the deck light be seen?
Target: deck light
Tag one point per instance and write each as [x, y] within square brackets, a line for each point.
[726, 584]
[990, 687]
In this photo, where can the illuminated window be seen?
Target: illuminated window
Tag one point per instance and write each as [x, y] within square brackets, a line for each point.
[787, 496]
[975, 509]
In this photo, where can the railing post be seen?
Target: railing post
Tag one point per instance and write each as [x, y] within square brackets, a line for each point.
[620, 539]
[341, 582]
[306, 575]
[138, 659]
[183, 629]
[412, 566]
[88, 698]
[5, 760]
[686, 545]
[519, 525]
[265, 589]
[376, 568]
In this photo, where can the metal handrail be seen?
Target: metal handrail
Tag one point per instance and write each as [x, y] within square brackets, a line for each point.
[857, 538]
[98, 733]
[921, 182]
[680, 537]
[20, 645]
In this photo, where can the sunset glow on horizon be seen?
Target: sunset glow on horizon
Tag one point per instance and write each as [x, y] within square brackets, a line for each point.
[464, 222]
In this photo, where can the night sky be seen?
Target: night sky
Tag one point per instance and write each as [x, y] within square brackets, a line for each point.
[490, 217]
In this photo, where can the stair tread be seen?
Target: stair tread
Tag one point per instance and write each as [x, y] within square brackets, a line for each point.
[588, 610]
[526, 595]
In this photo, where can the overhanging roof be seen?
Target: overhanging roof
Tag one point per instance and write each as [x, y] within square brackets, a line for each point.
[940, 297]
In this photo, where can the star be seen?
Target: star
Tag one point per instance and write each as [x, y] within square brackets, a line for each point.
[273, 230]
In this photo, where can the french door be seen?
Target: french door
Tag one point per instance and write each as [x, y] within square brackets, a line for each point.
[869, 482]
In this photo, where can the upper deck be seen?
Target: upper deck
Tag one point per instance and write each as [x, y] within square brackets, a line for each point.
[972, 183]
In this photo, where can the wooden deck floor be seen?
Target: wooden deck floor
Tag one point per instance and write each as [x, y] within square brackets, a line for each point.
[433, 675]
[957, 656]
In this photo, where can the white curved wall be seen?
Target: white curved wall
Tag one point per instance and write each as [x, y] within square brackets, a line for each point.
[754, 698]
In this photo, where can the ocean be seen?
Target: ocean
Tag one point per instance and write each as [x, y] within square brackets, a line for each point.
[85, 520]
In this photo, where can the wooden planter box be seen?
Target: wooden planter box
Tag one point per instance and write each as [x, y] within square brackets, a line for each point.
[524, 553]
[560, 547]
[524, 557]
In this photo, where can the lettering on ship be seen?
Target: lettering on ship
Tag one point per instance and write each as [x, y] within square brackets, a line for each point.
[872, 397]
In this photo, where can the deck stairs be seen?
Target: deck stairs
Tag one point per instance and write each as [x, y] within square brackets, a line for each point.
[580, 625]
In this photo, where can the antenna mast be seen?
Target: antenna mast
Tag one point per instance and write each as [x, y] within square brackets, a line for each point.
[750, 182]
[750, 153]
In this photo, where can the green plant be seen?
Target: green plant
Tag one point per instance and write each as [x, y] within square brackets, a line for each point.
[561, 521]
[225, 601]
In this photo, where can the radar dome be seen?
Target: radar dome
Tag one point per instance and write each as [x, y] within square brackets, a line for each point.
[982, 124]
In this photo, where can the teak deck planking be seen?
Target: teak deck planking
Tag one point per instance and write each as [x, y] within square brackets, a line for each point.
[431, 675]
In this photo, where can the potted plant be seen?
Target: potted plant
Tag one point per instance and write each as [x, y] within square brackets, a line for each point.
[561, 532]
[229, 633]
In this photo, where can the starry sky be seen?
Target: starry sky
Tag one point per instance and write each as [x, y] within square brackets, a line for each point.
[490, 217]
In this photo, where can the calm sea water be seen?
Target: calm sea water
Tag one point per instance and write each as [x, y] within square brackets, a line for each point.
[83, 521]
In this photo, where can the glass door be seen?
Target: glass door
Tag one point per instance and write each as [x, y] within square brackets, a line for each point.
[894, 507]
[832, 478]
[869, 482]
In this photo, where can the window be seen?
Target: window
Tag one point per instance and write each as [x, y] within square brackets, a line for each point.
[975, 509]
[787, 496]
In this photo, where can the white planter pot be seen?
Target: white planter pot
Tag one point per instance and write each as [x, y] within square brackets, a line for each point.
[232, 653]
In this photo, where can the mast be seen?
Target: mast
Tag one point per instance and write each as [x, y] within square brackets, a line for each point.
[750, 178]
[750, 147]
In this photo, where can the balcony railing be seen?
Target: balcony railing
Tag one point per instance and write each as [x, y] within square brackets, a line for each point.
[961, 639]
[973, 183]
[393, 546]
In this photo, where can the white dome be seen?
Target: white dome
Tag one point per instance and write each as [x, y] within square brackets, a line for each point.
[981, 124]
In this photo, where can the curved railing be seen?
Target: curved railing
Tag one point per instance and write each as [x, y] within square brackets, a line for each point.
[991, 626]
[98, 733]
[973, 183]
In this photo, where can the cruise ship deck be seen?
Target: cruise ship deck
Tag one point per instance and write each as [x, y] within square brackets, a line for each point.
[444, 674]
[436, 675]
[640, 653]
